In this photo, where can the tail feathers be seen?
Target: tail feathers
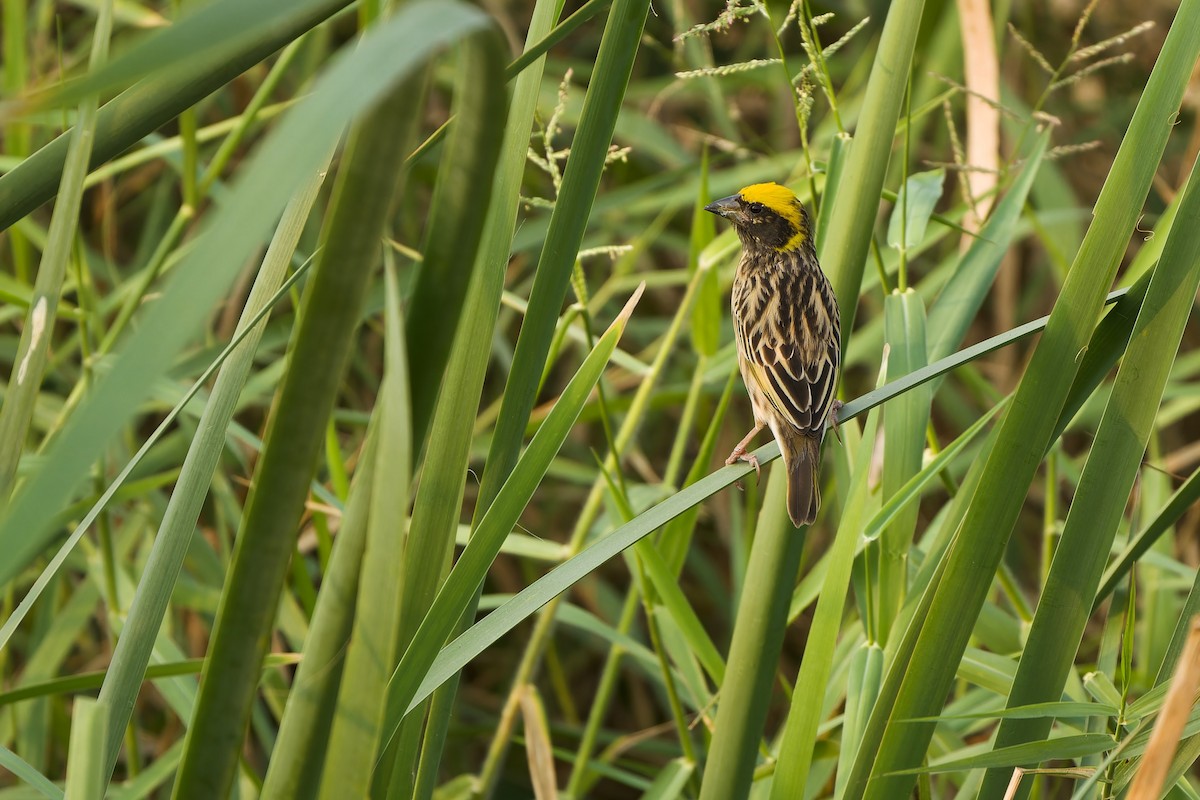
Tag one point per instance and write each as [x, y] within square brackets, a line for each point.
[802, 456]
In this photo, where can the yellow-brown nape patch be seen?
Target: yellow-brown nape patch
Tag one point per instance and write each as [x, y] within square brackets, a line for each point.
[783, 202]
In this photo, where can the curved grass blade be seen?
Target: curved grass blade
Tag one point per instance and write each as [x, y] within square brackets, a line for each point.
[1183, 499]
[23, 770]
[304, 137]
[444, 472]
[83, 681]
[1083, 744]
[212, 32]
[580, 182]
[144, 108]
[457, 594]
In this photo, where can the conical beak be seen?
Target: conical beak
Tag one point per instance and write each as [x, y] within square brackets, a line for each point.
[724, 206]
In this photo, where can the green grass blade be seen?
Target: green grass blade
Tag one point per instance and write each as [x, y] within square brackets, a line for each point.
[862, 691]
[444, 281]
[211, 32]
[23, 770]
[754, 651]
[82, 681]
[367, 181]
[457, 594]
[142, 109]
[904, 422]
[1107, 479]
[527, 602]
[456, 221]
[914, 204]
[707, 313]
[294, 772]
[804, 716]
[175, 532]
[85, 760]
[833, 176]
[358, 718]
[671, 781]
[580, 181]
[1041, 711]
[856, 202]
[910, 491]
[439, 497]
[1084, 744]
[1029, 423]
[34, 347]
[666, 585]
[959, 301]
[1184, 498]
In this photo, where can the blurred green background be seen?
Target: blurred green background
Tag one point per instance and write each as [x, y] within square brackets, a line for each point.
[299, 298]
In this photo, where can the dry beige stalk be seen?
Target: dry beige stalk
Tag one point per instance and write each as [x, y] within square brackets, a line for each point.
[1148, 783]
[982, 72]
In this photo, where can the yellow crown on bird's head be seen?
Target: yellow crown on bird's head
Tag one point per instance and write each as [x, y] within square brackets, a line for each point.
[779, 199]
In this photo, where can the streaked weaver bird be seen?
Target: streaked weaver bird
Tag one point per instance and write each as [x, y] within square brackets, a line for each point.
[788, 331]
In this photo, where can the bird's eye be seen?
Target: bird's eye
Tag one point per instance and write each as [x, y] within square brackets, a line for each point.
[755, 208]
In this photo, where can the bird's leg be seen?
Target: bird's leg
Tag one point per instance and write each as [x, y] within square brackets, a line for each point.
[739, 453]
[834, 408]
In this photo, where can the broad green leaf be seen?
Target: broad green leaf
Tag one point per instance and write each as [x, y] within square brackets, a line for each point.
[914, 204]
